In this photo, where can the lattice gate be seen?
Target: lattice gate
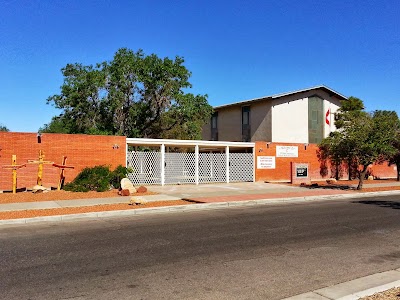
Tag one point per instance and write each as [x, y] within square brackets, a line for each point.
[180, 168]
[146, 167]
[212, 167]
[241, 167]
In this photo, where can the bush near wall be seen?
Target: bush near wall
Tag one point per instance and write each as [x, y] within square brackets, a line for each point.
[81, 151]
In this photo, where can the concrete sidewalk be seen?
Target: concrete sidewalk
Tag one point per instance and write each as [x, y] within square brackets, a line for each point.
[205, 193]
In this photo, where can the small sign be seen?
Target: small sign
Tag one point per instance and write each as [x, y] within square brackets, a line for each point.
[287, 151]
[301, 171]
[266, 162]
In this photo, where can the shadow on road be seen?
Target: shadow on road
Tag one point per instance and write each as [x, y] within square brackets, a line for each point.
[389, 204]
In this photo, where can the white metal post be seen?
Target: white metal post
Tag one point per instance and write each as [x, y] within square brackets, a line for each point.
[254, 164]
[126, 155]
[196, 164]
[227, 163]
[162, 150]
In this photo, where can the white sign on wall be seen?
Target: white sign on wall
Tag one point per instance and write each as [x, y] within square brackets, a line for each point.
[287, 151]
[265, 162]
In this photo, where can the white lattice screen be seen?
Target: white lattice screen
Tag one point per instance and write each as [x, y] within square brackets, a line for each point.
[146, 167]
[180, 168]
[241, 166]
[212, 167]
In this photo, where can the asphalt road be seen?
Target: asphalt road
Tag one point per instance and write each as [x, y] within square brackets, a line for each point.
[260, 252]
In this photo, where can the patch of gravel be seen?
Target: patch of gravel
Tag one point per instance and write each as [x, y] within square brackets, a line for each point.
[392, 294]
[84, 209]
[59, 195]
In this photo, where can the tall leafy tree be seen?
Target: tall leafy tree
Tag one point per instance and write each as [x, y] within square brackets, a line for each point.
[365, 137]
[133, 95]
[123, 92]
[351, 108]
[395, 158]
[81, 100]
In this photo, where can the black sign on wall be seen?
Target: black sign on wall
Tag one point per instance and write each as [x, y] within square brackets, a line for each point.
[302, 171]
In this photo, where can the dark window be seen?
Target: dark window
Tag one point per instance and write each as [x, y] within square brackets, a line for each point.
[214, 126]
[315, 119]
[246, 124]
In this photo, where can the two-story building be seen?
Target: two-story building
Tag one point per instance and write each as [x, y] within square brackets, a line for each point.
[303, 116]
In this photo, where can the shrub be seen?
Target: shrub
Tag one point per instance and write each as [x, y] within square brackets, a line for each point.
[98, 178]
[116, 176]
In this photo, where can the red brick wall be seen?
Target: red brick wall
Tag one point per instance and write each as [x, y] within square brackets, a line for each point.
[81, 151]
[308, 154]
[383, 171]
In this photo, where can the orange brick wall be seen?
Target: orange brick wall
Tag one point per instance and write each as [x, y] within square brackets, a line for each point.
[282, 171]
[81, 151]
[383, 171]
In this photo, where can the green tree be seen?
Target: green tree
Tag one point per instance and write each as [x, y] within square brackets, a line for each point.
[395, 158]
[80, 99]
[351, 108]
[133, 95]
[3, 128]
[365, 137]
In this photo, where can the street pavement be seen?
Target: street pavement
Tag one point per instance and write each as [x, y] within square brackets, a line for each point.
[240, 196]
[239, 252]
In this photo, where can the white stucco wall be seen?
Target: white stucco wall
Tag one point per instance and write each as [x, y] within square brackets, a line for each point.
[332, 107]
[290, 121]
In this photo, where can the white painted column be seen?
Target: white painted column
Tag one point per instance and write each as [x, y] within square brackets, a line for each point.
[162, 150]
[227, 163]
[254, 164]
[126, 154]
[196, 162]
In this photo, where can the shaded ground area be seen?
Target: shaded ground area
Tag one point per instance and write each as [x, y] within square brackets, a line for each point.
[368, 186]
[387, 204]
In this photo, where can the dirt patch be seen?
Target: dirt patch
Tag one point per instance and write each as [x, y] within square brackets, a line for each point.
[351, 185]
[379, 189]
[85, 209]
[59, 195]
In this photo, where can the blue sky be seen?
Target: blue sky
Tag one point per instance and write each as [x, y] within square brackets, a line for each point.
[236, 50]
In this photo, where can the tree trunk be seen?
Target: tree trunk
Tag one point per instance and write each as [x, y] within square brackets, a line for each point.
[337, 170]
[398, 171]
[362, 176]
[349, 168]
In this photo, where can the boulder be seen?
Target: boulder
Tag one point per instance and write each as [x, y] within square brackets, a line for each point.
[141, 189]
[331, 180]
[125, 192]
[39, 189]
[370, 177]
[138, 200]
[126, 184]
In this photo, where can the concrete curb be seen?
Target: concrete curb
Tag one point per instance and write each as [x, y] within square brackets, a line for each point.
[355, 289]
[191, 207]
